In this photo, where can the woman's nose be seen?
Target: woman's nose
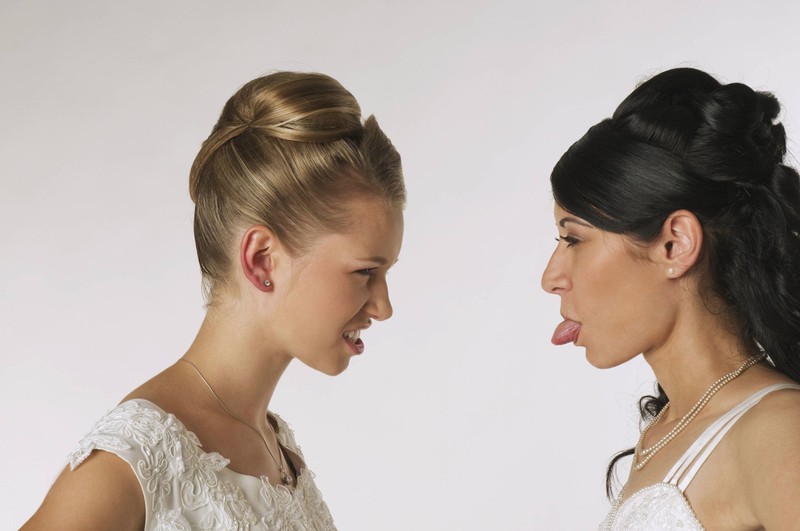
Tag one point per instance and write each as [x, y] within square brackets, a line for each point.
[554, 279]
[379, 307]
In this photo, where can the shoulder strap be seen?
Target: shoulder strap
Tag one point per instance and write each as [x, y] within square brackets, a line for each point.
[685, 469]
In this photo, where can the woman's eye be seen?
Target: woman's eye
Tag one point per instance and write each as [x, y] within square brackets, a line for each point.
[569, 240]
[366, 272]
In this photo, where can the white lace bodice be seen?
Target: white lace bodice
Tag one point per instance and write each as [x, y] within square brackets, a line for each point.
[664, 505]
[186, 488]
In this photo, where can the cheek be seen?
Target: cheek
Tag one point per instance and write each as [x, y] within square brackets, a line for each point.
[629, 313]
[621, 300]
[333, 299]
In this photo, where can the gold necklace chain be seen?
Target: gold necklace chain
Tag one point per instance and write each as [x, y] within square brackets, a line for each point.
[286, 479]
[642, 456]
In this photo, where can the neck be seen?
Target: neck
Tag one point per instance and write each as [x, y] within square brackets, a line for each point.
[700, 350]
[234, 356]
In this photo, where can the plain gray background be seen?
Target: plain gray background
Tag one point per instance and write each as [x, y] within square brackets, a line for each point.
[460, 415]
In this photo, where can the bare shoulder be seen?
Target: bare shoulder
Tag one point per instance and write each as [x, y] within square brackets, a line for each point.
[101, 493]
[167, 390]
[770, 428]
[777, 414]
[767, 445]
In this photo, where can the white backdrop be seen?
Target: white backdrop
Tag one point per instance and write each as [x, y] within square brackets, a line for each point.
[461, 415]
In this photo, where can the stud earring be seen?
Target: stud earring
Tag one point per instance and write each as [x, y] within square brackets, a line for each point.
[267, 283]
[670, 271]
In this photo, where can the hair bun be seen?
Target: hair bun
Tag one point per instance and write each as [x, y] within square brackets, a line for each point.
[726, 133]
[284, 106]
[291, 106]
[739, 126]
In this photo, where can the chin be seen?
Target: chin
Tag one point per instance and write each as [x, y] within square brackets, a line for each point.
[601, 361]
[333, 369]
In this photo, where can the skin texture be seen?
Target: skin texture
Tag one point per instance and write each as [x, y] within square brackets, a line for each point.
[614, 302]
[633, 298]
[341, 286]
[242, 348]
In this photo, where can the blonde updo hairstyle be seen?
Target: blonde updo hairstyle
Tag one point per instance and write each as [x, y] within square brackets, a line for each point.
[288, 152]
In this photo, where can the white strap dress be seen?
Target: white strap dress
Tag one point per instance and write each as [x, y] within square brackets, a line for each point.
[664, 505]
[187, 488]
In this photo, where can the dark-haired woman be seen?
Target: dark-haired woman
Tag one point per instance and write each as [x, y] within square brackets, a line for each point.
[679, 239]
[298, 217]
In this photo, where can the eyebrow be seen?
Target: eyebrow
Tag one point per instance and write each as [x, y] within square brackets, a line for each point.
[577, 221]
[377, 259]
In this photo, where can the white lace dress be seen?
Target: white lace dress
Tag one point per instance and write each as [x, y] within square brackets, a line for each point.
[663, 505]
[186, 488]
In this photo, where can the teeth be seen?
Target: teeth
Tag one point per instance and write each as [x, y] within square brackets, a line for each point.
[352, 335]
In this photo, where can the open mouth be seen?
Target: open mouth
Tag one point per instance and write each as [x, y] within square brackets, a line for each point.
[353, 340]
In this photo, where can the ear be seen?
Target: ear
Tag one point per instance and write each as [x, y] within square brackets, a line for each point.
[680, 243]
[256, 256]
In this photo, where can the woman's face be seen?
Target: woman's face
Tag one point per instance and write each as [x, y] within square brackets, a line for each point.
[335, 290]
[614, 299]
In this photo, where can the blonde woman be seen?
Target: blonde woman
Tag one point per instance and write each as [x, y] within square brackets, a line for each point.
[298, 217]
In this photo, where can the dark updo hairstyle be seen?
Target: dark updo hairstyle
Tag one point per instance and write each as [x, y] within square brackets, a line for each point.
[682, 140]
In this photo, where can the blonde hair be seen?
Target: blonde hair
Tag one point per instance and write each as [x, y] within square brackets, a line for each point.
[287, 152]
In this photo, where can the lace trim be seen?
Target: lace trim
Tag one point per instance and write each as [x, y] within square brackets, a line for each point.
[182, 484]
[659, 506]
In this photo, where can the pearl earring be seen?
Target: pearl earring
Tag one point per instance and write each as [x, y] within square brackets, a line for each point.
[267, 283]
[671, 271]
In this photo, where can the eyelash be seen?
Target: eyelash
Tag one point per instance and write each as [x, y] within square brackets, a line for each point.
[570, 241]
[366, 272]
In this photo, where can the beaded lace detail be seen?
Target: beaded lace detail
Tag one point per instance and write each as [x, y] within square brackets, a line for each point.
[663, 505]
[659, 506]
[186, 488]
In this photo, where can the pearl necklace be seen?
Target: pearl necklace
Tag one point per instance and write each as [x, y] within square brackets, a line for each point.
[642, 456]
[286, 479]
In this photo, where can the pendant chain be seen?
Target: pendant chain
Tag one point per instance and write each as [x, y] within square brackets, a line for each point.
[286, 479]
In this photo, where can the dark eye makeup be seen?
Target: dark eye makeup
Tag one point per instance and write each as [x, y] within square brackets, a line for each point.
[570, 240]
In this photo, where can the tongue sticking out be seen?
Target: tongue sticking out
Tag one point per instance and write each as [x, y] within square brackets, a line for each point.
[566, 332]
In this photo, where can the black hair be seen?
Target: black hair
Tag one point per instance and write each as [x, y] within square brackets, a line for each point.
[683, 140]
